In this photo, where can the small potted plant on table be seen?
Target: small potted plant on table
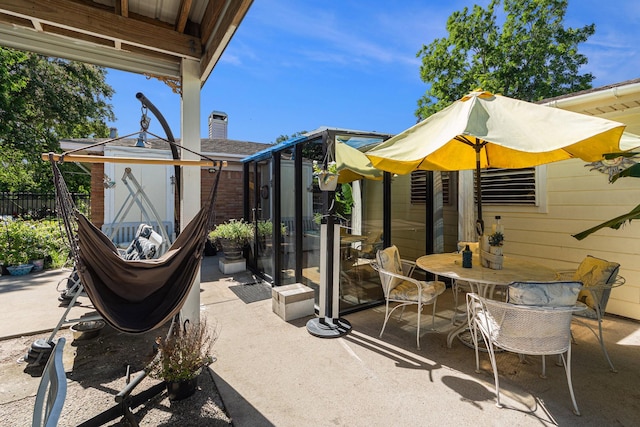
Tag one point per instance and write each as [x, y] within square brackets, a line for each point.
[493, 259]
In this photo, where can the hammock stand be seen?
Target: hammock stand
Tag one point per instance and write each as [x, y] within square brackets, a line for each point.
[141, 295]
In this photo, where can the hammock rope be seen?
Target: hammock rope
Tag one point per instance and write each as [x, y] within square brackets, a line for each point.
[141, 295]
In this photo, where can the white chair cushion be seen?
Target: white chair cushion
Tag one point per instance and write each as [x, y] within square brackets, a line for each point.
[389, 259]
[408, 291]
[552, 294]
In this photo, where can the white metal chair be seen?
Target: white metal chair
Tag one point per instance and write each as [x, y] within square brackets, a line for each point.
[522, 329]
[399, 287]
[599, 277]
[52, 390]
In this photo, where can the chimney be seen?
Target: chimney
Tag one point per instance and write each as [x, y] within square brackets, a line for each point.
[113, 133]
[218, 125]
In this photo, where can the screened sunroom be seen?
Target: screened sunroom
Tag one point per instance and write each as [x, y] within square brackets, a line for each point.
[372, 210]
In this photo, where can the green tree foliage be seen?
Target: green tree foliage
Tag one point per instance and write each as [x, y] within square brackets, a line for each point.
[532, 56]
[283, 138]
[43, 100]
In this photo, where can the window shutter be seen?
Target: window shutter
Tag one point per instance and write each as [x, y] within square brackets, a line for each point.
[508, 186]
[419, 187]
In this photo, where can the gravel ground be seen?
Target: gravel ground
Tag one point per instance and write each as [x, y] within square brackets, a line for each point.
[96, 371]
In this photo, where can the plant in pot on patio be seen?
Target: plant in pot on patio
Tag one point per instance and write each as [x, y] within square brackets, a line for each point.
[181, 357]
[265, 233]
[233, 236]
[17, 240]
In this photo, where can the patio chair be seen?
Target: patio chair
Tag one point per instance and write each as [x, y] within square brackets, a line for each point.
[399, 287]
[599, 277]
[52, 390]
[522, 329]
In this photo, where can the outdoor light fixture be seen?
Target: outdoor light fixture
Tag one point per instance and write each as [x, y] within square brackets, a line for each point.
[142, 139]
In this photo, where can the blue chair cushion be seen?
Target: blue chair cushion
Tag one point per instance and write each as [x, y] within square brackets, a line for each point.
[551, 294]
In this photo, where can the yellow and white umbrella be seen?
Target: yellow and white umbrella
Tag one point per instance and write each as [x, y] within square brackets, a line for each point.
[483, 130]
[353, 164]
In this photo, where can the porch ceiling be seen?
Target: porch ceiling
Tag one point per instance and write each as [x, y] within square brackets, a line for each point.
[141, 36]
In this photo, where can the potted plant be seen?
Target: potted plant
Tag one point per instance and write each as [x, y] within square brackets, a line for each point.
[17, 240]
[233, 236]
[327, 175]
[493, 257]
[24, 241]
[181, 357]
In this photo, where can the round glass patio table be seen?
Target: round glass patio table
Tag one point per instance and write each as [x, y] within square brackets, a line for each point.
[483, 280]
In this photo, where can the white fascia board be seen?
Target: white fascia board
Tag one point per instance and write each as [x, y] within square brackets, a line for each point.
[610, 94]
[76, 50]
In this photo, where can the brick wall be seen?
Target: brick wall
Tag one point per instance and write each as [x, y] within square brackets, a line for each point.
[97, 194]
[229, 199]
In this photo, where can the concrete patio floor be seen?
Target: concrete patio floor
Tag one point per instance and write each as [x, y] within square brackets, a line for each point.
[272, 372]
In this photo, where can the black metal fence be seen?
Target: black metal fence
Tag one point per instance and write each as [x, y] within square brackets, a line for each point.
[37, 205]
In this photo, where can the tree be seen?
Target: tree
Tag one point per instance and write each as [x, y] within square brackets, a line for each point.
[43, 100]
[531, 57]
[283, 138]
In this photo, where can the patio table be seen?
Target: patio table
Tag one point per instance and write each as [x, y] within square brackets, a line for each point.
[483, 280]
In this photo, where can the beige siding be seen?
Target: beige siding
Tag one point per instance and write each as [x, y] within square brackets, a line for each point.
[577, 200]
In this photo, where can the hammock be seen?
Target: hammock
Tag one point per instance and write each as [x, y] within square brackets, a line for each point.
[141, 295]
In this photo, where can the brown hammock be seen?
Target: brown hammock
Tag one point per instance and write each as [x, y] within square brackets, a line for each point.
[141, 295]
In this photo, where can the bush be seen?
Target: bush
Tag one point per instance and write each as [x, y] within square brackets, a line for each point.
[237, 231]
[22, 241]
[184, 353]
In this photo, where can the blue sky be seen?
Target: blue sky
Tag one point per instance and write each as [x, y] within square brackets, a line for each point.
[297, 65]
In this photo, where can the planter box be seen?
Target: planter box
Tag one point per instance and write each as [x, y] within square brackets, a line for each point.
[232, 266]
[292, 301]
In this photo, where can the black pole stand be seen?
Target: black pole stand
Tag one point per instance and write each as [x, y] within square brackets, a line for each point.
[327, 326]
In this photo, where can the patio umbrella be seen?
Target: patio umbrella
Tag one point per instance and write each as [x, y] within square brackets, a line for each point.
[353, 164]
[483, 130]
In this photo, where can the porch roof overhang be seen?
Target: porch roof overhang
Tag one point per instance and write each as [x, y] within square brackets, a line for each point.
[142, 36]
[619, 102]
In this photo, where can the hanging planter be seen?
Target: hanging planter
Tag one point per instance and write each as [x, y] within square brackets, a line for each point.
[328, 181]
[327, 175]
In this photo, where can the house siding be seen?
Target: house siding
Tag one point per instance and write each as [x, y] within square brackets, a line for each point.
[577, 200]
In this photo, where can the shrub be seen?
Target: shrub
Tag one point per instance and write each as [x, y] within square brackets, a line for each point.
[237, 231]
[22, 241]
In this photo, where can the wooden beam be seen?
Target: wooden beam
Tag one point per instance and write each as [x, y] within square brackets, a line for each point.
[183, 15]
[102, 23]
[83, 158]
[216, 36]
[122, 8]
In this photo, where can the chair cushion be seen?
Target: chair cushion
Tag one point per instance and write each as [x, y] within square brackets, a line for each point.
[594, 271]
[408, 291]
[553, 294]
[389, 259]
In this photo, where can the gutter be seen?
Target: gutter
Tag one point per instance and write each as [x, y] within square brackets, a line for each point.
[610, 94]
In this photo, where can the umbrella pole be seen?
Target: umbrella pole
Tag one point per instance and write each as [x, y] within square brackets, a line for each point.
[479, 221]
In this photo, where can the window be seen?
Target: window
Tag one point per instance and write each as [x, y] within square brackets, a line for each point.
[419, 187]
[508, 186]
